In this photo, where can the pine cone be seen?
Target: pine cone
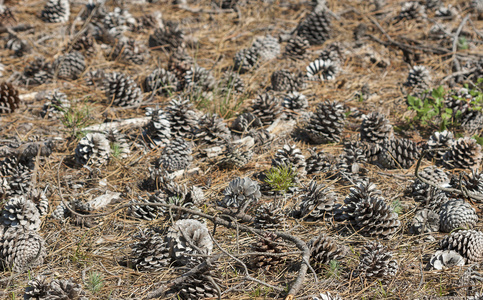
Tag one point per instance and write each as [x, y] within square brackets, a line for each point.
[245, 60]
[398, 153]
[376, 128]
[39, 198]
[65, 289]
[295, 104]
[15, 176]
[269, 243]
[435, 175]
[128, 51]
[185, 233]
[93, 149]
[446, 259]
[418, 78]
[170, 37]
[176, 155]
[323, 249]
[158, 130]
[182, 118]
[333, 52]
[327, 123]
[239, 191]
[443, 139]
[150, 252]
[57, 289]
[231, 83]
[267, 107]
[234, 158]
[473, 183]
[315, 27]
[200, 79]
[20, 212]
[148, 212]
[368, 213]
[69, 66]
[37, 72]
[291, 156]
[199, 286]
[121, 90]
[425, 221]
[262, 139]
[212, 130]
[318, 202]
[319, 162]
[465, 153]
[56, 11]
[284, 80]
[180, 64]
[327, 296]
[119, 19]
[270, 215]
[21, 249]
[267, 47]
[56, 104]
[245, 122]
[322, 70]
[9, 99]
[119, 143]
[296, 48]
[162, 81]
[468, 243]
[17, 45]
[376, 262]
[411, 10]
[84, 43]
[225, 4]
[456, 213]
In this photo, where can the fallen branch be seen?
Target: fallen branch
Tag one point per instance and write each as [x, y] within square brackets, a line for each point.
[135, 122]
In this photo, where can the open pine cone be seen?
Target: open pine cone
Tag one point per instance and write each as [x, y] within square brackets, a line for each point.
[468, 243]
[239, 192]
[20, 212]
[376, 262]
[185, 233]
[269, 243]
[93, 149]
[21, 249]
[323, 249]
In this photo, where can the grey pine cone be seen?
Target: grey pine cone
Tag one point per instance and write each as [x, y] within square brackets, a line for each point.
[21, 249]
[239, 192]
[398, 153]
[327, 123]
[121, 90]
[93, 150]
[377, 262]
[457, 213]
[158, 130]
[446, 259]
[180, 248]
[291, 156]
[318, 202]
[468, 243]
[20, 212]
[465, 153]
[376, 128]
[323, 249]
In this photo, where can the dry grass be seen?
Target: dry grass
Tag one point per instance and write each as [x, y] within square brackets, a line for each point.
[75, 250]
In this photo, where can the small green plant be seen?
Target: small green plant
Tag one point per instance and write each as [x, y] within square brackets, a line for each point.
[115, 150]
[334, 269]
[432, 109]
[462, 43]
[75, 119]
[396, 206]
[95, 282]
[280, 178]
